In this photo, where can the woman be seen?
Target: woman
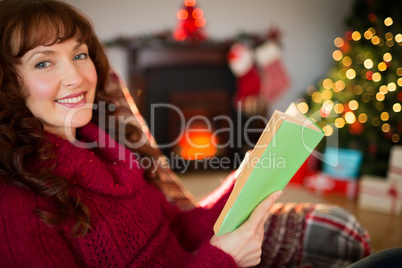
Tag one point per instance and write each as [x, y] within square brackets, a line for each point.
[68, 194]
[63, 205]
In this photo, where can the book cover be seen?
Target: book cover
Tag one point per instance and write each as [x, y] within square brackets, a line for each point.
[286, 142]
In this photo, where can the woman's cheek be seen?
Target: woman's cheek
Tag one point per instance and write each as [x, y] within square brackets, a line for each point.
[42, 88]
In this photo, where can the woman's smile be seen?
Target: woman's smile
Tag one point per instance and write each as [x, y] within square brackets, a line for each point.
[76, 100]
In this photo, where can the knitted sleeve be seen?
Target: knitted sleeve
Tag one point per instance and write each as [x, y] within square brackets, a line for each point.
[210, 256]
[24, 239]
[195, 226]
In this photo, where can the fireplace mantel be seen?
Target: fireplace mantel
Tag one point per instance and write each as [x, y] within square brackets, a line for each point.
[144, 58]
[151, 57]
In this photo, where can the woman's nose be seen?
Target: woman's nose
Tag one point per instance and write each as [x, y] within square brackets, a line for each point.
[71, 76]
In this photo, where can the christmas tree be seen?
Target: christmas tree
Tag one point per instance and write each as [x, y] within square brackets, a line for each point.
[360, 98]
[190, 23]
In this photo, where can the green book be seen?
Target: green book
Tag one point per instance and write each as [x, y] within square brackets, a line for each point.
[286, 142]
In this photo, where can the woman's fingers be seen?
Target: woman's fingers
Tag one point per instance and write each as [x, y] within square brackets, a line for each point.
[244, 243]
[260, 213]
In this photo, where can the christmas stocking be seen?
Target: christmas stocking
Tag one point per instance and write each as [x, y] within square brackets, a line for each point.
[274, 78]
[240, 59]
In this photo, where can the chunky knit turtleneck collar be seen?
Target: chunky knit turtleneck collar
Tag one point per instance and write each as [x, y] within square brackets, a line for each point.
[97, 162]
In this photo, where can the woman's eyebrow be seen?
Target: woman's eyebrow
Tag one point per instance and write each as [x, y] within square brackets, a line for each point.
[51, 52]
[78, 45]
[44, 52]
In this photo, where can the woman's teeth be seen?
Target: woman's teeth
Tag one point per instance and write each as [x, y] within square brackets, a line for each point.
[72, 100]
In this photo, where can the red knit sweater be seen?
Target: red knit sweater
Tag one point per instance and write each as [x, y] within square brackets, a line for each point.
[132, 224]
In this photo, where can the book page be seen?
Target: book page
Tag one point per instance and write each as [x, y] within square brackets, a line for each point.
[292, 113]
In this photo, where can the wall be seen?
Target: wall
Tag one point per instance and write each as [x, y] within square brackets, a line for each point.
[308, 28]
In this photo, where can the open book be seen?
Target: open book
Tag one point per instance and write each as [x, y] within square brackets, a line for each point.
[286, 142]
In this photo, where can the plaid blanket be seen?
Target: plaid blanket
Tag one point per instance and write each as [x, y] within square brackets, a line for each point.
[307, 235]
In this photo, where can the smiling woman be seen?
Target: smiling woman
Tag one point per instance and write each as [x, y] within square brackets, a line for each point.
[60, 79]
[43, 43]
[59, 198]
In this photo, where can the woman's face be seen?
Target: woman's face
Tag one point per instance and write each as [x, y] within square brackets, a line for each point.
[60, 81]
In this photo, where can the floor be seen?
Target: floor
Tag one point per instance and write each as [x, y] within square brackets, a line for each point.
[385, 230]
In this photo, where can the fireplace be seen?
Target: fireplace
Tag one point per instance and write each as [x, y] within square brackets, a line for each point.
[180, 90]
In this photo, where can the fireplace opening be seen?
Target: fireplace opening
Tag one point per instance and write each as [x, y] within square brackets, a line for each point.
[197, 142]
[196, 125]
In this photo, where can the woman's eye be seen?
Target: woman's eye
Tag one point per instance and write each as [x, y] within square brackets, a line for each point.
[42, 65]
[81, 56]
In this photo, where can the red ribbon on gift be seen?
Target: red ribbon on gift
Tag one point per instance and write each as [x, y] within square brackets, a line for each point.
[396, 170]
[393, 192]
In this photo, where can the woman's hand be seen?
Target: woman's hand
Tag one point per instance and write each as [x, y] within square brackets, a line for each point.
[244, 243]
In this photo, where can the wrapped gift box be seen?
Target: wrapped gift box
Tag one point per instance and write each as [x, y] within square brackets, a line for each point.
[309, 167]
[322, 184]
[342, 163]
[395, 164]
[380, 194]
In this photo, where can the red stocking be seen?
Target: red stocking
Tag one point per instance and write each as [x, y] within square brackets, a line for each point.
[274, 78]
[240, 59]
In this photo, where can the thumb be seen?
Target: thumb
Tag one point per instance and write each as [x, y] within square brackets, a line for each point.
[261, 211]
